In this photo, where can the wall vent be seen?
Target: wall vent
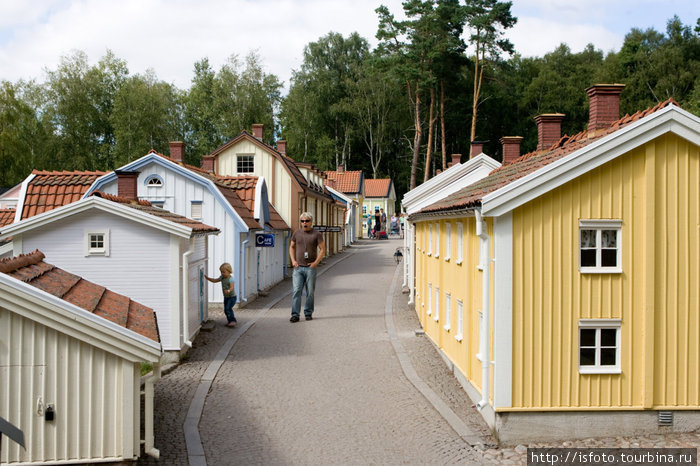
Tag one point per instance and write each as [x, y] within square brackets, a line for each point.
[665, 418]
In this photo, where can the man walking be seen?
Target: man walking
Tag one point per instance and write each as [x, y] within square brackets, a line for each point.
[306, 250]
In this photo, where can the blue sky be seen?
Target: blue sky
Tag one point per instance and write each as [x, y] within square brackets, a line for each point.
[168, 36]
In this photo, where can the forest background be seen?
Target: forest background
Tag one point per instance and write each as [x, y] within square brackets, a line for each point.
[441, 78]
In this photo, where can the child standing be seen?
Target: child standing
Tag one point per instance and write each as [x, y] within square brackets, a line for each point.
[226, 280]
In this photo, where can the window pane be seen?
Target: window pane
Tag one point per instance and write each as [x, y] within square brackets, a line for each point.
[607, 357]
[587, 337]
[608, 258]
[609, 238]
[588, 258]
[588, 238]
[608, 337]
[587, 357]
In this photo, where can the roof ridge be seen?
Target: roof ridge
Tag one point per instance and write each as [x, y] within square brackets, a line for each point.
[68, 172]
[121, 200]
[10, 264]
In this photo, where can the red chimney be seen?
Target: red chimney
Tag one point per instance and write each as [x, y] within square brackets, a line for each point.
[477, 148]
[177, 151]
[511, 148]
[341, 168]
[208, 164]
[281, 145]
[455, 160]
[258, 131]
[548, 129]
[126, 184]
[604, 105]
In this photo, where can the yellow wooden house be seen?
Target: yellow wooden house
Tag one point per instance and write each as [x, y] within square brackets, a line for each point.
[564, 287]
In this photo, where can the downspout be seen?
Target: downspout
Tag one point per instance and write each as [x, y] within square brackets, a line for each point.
[243, 267]
[148, 440]
[484, 266]
[186, 294]
[285, 253]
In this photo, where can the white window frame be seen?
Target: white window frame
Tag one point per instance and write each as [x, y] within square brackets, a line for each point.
[96, 251]
[238, 162]
[448, 311]
[196, 210]
[598, 325]
[460, 320]
[154, 181]
[436, 314]
[460, 242]
[600, 225]
[430, 239]
[430, 299]
[437, 240]
[448, 240]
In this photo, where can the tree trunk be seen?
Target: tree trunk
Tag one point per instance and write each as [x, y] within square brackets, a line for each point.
[478, 75]
[416, 141]
[431, 125]
[442, 124]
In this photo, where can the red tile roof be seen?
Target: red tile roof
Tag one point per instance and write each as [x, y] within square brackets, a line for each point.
[377, 187]
[471, 196]
[244, 186]
[31, 269]
[49, 190]
[7, 216]
[348, 182]
[147, 207]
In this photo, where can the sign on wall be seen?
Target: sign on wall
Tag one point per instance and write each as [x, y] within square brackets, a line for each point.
[264, 240]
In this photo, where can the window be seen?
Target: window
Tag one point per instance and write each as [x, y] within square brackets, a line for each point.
[436, 315]
[599, 346]
[437, 240]
[448, 311]
[197, 210]
[159, 204]
[245, 163]
[460, 246]
[430, 239]
[458, 336]
[430, 299]
[97, 243]
[154, 181]
[600, 246]
[448, 240]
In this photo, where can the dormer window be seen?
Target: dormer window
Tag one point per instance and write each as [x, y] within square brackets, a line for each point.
[154, 181]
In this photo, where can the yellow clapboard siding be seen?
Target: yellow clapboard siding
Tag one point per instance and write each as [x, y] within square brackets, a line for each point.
[656, 185]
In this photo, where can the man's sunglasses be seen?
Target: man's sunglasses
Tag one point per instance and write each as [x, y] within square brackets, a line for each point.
[304, 221]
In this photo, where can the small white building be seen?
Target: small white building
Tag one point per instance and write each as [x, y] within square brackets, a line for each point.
[70, 361]
[153, 256]
[198, 194]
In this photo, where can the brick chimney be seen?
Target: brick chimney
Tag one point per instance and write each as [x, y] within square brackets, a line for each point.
[177, 151]
[281, 146]
[548, 129]
[455, 160]
[258, 131]
[208, 164]
[127, 184]
[476, 149]
[604, 105]
[511, 148]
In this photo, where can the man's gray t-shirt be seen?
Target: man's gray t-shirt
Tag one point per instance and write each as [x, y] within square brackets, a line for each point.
[306, 242]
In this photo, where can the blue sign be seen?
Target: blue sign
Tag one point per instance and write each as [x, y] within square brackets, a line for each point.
[264, 240]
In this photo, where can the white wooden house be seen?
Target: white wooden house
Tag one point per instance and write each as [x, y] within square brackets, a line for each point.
[153, 256]
[70, 359]
[198, 194]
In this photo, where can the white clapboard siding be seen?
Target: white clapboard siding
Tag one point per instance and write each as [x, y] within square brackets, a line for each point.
[138, 266]
[93, 392]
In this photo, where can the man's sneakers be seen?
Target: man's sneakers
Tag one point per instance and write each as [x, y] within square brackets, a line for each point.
[309, 317]
[294, 319]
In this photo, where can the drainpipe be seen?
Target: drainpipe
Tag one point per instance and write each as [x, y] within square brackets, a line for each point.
[186, 294]
[284, 254]
[148, 441]
[243, 267]
[484, 262]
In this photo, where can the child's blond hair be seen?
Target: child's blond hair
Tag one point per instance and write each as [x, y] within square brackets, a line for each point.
[226, 267]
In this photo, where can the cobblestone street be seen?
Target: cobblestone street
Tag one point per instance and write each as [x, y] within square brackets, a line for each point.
[333, 390]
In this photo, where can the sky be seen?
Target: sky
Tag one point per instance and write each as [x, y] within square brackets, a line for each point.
[169, 36]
